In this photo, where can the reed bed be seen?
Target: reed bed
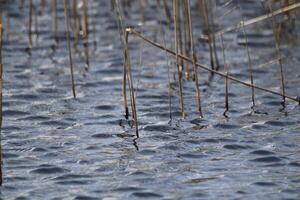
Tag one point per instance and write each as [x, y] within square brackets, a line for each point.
[177, 17]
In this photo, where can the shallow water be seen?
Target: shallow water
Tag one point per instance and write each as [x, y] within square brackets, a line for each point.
[57, 147]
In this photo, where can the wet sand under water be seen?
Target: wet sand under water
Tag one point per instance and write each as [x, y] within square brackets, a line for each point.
[56, 147]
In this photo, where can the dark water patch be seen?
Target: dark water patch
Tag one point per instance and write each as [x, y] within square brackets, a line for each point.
[199, 180]
[236, 147]
[210, 140]
[55, 123]
[265, 184]
[262, 152]
[294, 164]
[10, 155]
[147, 195]
[276, 123]
[49, 170]
[74, 182]
[35, 118]
[82, 197]
[71, 176]
[105, 107]
[102, 135]
[268, 159]
[159, 128]
[14, 113]
[38, 149]
[128, 189]
[192, 155]
[25, 96]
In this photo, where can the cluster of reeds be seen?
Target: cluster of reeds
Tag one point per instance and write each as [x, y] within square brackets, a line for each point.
[184, 47]
[178, 17]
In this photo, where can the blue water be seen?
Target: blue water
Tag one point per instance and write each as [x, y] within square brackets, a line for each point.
[56, 147]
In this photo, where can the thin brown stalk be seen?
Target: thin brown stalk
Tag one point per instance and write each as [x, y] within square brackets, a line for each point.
[86, 33]
[249, 64]
[30, 24]
[204, 11]
[207, 68]
[167, 11]
[278, 51]
[54, 20]
[161, 31]
[115, 5]
[255, 20]
[1, 89]
[175, 15]
[187, 40]
[226, 78]
[130, 84]
[194, 59]
[66, 11]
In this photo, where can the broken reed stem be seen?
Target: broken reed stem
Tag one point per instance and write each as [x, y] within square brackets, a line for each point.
[130, 84]
[54, 20]
[30, 24]
[175, 13]
[86, 33]
[167, 59]
[194, 57]
[204, 67]
[249, 63]
[278, 51]
[115, 5]
[255, 20]
[1, 94]
[187, 40]
[226, 78]
[207, 28]
[66, 8]
[167, 11]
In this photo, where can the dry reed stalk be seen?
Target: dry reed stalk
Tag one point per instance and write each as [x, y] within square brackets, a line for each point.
[36, 26]
[175, 15]
[86, 33]
[255, 20]
[1, 95]
[204, 11]
[207, 68]
[187, 40]
[194, 58]
[278, 51]
[66, 11]
[30, 24]
[167, 11]
[54, 20]
[226, 78]
[130, 84]
[167, 59]
[249, 63]
[142, 11]
[115, 5]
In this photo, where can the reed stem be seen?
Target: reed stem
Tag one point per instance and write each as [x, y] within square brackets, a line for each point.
[194, 59]
[179, 71]
[1, 95]
[66, 9]
[207, 68]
